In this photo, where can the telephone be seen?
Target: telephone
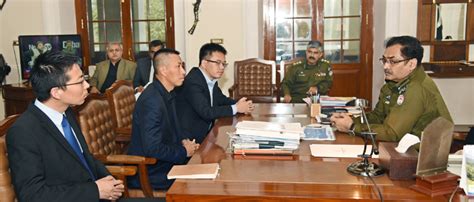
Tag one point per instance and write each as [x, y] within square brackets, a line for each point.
[4, 69]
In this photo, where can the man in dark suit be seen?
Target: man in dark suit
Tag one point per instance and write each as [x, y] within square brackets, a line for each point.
[155, 129]
[145, 71]
[200, 100]
[48, 155]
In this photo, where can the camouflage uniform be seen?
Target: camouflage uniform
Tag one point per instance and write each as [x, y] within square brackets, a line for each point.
[301, 76]
[405, 107]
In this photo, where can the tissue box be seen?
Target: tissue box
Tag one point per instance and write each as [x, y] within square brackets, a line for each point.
[400, 166]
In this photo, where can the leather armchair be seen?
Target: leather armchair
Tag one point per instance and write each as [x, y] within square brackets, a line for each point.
[7, 193]
[255, 79]
[121, 98]
[99, 130]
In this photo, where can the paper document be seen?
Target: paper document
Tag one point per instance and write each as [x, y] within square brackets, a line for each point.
[318, 132]
[339, 150]
[194, 171]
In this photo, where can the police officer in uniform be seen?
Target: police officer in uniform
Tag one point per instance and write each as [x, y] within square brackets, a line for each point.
[312, 76]
[408, 101]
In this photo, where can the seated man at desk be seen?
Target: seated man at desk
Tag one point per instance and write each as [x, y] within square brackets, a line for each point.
[156, 130]
[311, 76]
[408, 101]
[200, 100]
[115, 68]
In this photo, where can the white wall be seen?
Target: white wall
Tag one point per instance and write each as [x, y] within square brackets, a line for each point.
[234, 21]
[31, 17]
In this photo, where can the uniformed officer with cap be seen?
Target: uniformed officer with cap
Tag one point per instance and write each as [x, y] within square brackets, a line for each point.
[408, 101]
[311, 76]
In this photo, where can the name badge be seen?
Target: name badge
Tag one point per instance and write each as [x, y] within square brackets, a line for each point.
[400, 99]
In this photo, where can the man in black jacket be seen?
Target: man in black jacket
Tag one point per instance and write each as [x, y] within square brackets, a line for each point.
[145, 72]
[200, 100]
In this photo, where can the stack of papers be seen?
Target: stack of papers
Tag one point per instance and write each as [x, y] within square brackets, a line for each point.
[253, 137]
[335, 101]
[194, 171]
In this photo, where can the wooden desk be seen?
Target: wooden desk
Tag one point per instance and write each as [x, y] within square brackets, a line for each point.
[300, 177]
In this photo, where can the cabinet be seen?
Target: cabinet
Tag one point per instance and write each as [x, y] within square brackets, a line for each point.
[17, 97]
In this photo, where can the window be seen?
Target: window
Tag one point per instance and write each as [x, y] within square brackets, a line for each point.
[133, 22]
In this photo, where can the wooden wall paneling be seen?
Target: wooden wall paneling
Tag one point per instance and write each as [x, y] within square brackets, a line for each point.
[346, 82]
[81, 27]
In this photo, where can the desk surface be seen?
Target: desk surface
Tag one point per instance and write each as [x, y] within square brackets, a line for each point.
[283, 178]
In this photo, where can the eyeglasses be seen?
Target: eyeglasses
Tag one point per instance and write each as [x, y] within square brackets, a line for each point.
[85, 78]
[224, 64]
[384, 60]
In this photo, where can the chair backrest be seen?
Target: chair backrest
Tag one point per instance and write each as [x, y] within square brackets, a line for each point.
[7, 193]
[121, 97]
[285, 65]
[97, 126]
[255, 78]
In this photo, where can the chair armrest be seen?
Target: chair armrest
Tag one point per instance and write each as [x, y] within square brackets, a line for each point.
[122, 170]
[121, 138]
[123, 131]
[276, 92]
[127, 159]
[232, 90]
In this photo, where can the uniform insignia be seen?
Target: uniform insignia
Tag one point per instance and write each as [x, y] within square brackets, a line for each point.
[400, 99]
[323, 74]
[301, 73]
[387, 99]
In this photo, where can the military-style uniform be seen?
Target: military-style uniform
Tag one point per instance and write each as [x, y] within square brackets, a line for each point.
[301, 76]
[405, 107]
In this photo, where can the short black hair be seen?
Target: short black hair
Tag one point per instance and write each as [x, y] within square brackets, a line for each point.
[411, 47]
[49, 71]
[162, 52]
[209, 48]
[155, 43]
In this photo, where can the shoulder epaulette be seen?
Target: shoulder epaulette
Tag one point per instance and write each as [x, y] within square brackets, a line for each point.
[326, 61]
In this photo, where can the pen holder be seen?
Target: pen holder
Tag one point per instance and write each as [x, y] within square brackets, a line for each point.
[315, 109]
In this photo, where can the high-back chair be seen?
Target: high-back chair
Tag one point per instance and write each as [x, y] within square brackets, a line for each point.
[99, 130]
[285, 65]
[255, 79]
[121, 97]
[7, 194]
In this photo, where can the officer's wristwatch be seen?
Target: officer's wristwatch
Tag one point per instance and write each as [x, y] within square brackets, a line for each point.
[351, 129]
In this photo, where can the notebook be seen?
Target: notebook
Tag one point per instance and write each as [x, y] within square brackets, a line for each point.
[194, 171]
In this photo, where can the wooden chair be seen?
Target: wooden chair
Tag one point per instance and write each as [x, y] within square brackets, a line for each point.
[99, 130]
[284, 67]
[255, 79]
[7, 194]
[121, 97]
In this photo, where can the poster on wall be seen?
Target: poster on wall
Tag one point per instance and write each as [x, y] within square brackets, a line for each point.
[31, 46]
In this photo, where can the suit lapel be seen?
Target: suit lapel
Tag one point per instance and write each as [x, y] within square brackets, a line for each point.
[121, 70]
[146, 73]
[202, 80]
[82, 141]
[56, 134]
[103, 69]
